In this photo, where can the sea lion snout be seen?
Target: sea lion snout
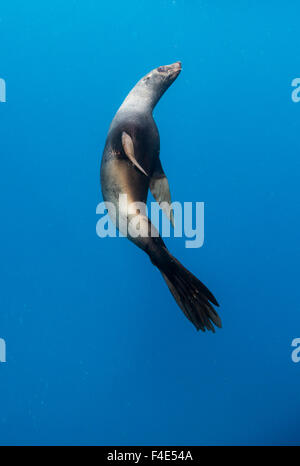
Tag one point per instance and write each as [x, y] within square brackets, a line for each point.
[173, 69]
[177, 64]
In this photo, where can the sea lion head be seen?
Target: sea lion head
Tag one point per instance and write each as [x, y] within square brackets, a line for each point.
[159, 79]
[152, 86]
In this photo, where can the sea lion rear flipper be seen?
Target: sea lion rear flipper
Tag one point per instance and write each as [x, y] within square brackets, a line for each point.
[128, 147]
[159, 187]
[191, 295]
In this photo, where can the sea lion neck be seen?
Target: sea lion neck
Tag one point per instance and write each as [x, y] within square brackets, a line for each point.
[148, 91]
[140, 99]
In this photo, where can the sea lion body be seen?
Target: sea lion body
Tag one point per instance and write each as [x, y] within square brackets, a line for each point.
[118, 174]
[146, 142]
[130, 166]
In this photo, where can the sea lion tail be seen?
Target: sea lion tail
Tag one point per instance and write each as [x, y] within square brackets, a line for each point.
[191, 294]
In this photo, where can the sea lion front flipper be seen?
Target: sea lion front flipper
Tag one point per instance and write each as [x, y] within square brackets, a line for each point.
[160, 190]
[128, 147]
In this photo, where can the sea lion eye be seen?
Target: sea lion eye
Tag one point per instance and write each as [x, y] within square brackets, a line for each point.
[161, 69]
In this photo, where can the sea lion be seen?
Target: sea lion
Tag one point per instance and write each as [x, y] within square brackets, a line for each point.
[131, 165]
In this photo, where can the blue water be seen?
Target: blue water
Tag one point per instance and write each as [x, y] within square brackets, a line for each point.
[97, 350]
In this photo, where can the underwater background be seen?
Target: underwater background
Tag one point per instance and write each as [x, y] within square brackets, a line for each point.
[97, 351]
